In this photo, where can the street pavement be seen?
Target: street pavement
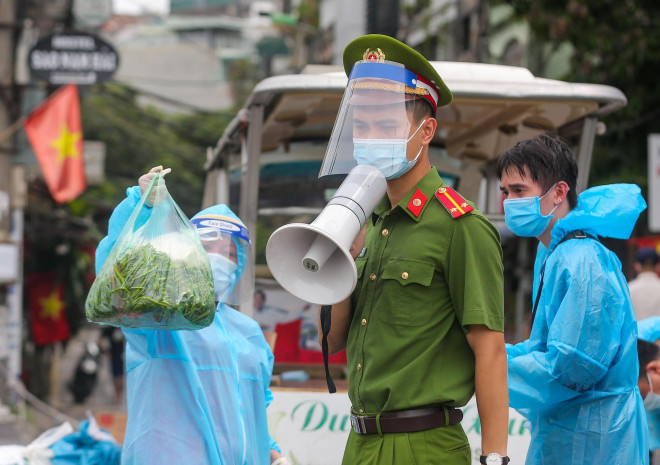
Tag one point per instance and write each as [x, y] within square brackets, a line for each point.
[23, 427]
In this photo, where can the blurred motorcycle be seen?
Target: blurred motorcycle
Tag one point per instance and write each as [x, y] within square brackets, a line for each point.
[86, 373]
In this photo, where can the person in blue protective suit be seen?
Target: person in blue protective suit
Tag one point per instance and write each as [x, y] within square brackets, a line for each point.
[649, 375]
[649, 329]
[575, 378]
[199, 397]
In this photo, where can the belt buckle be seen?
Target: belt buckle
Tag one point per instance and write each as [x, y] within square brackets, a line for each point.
[357, 423]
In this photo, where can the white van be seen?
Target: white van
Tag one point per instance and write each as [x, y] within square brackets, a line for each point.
[266, 163]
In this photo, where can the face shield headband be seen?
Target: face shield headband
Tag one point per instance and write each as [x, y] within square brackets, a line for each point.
[379, 98]
[213, 228]
[227, 244]
[414, 84]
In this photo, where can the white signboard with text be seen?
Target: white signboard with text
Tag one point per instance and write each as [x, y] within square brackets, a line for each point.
[8, 263]
[92, 13]
[311, 427]
[4, 319]
[654, 182]
[94, 156]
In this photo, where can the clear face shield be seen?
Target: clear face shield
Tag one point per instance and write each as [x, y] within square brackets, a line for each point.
[377, 111]
[227, 244]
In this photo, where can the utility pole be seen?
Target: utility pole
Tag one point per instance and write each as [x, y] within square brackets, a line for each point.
[8, 109]
[383, 17]
[27, 17]
[10, 307]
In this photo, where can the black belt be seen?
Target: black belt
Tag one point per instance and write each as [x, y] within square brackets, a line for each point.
[406, 421]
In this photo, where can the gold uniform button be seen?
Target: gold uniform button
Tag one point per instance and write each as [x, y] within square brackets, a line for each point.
[385, 232]
[372, 277]
[404, 275]
[359, 367]
[364, 321]
[360, 411]
[417, 202]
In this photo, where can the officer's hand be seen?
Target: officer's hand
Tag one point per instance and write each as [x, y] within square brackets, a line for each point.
[146, 179]
[358, 243]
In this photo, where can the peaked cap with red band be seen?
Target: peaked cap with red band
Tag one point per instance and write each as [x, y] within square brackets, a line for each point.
[378, 48]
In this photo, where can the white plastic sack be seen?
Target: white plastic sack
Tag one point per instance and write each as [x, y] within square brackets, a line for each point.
[95, 431]
[38, 451]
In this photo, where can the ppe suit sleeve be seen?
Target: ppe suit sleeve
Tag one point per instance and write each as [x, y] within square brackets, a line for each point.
[516, 350]
[273, 445]
[268, 370]
[118, 220]
[581, 308]
[649, 328]
[269, 398]
[267, 359]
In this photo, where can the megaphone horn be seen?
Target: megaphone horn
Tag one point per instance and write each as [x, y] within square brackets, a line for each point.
[312, 261]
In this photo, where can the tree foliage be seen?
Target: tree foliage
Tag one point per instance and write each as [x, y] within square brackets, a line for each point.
[139, 138]
[616, 42]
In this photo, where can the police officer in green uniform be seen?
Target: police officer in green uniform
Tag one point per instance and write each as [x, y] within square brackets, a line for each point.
[424, 327]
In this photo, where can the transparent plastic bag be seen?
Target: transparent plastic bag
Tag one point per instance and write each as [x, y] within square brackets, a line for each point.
[157, 274]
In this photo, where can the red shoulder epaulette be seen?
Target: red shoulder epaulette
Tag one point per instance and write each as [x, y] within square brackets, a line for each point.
[455, 204]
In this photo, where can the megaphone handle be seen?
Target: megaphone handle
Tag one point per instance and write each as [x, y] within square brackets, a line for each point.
[326, 317]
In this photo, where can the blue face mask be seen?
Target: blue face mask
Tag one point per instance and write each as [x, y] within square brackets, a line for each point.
[652, 400]
[388, 155]
[523, 216]
[224, 275]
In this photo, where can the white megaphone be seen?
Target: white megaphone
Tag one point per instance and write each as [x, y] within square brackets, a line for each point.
[312, 261]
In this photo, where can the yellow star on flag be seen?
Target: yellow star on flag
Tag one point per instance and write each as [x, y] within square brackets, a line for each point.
[66, 144]
[51, 306]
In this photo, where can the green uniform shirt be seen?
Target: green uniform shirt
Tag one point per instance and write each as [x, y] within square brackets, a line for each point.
[421, 280]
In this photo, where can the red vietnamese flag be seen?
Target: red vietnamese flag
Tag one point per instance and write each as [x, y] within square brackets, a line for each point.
[47, 311]
[55, 133]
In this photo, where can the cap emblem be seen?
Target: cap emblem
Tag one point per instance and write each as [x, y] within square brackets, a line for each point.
[376, 56]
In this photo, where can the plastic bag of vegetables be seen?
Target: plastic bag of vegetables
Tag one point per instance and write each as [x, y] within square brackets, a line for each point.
[157, 274]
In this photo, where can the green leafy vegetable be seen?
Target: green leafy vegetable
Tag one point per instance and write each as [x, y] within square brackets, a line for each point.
[145, 288]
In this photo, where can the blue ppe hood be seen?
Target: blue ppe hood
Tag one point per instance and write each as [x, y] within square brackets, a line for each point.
[605, 211]
[222, 218]
[235, 229]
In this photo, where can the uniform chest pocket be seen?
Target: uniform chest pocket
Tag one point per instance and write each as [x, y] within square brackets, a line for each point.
[407, 298]
[360, 264]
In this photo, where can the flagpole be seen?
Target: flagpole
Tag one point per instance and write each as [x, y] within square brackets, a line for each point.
[7, 133]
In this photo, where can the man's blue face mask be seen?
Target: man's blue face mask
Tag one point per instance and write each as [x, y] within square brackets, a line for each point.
[523, 216]
[652, 400]
[388, 155]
